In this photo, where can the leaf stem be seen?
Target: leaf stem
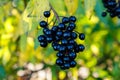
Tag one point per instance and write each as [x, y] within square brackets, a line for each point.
[55, 13]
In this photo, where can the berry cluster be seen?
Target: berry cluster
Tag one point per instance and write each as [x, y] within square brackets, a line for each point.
[113, 8]
[62, 38]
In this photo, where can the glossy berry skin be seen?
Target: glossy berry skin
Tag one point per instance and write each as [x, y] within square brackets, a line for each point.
[64, 41]
[65, 20]
[73, 64]
[56, 46]
[66, 65]
[48, 32]
[43, 24]
[41, 38]
[72, 55]
[60, 54]
[70, 47]
[59, 61]
[62, 48]
[73, 35]
[54, 29]
[72, 19]
[104, 14]
[71, 41]
[111, 4]
[66, 34]
[112, 15]
[61, 26]
[71, 26]
[66, 59]
[45, 30]
[81, 47]
[43, 44]
[58, 38]
[118, 11]
[82, 36]
[59, 33]
[49, 39]
[46, 14]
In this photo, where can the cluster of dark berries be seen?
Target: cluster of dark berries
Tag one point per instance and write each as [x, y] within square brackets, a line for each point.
[113, 8]
[62, 38]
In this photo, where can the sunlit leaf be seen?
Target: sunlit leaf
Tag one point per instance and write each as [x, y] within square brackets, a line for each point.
[6, 56]
[71, 5]
[59, 9]
[33, 14]
[89, 6]
[23, 42]
[92, 62]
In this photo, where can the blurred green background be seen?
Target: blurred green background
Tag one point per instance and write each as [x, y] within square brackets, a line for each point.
[20, 53]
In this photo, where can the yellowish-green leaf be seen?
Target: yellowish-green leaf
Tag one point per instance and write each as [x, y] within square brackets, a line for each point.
[33, 14]
[23, 42]
[71, 5]
[59, 6]
[6, 55]
[89, 6]
[92, 62]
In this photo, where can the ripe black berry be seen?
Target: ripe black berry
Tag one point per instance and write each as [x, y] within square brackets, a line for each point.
[59, 33]
[81, 36]
[81, 47]
[66, 59]
[65, 20]
[104, 14]
[66, 65]
[64, 41]
[47, 14]
[70, 47]
[59, 61]
[43, 24]
[66, 34]
[72, 18]
[72, 64]
[73, 35]
[43, 43]
[41, 38]
[60, 54]
[72, 55]
[48, 32]
[54, 29]
[61, 26]
[49, 39]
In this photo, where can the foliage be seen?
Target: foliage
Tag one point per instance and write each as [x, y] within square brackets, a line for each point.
[19, 28]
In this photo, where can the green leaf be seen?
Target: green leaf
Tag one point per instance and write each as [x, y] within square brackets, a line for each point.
[2, 2]
[71, 5]
[33, 14]
[6, 56]
[89, 6]
[23, 42]
[59, 6]
[2, 72]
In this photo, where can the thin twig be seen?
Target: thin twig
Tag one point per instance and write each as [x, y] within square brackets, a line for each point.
[76, 31]
[55, 13]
